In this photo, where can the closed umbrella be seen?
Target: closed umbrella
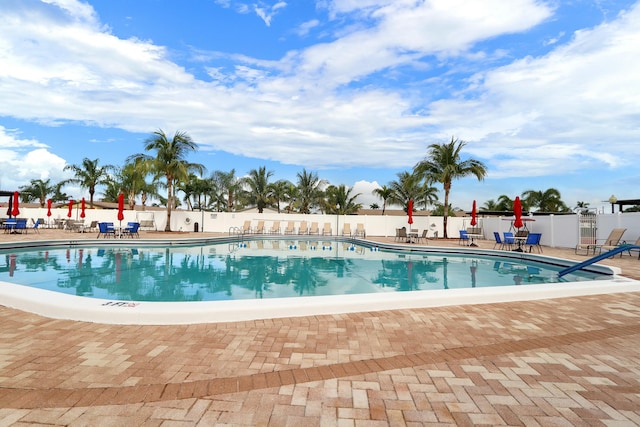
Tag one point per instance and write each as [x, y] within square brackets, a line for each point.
[70, 208]
[121, 208]
[517, 211]
[10, 206]
[82, 207]
[49, 207]
[410, 211]
[473, 215]
[15, 211]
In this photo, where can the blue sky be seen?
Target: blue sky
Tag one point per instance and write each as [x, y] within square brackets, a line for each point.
[544, 92]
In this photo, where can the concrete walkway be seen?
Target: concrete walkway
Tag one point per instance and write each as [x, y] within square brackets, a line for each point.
[571, 361]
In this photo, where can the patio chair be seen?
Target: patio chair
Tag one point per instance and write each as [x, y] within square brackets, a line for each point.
[499, 242]
[275, 228]
[464, 238]
[291, 228]
[303, 229]
[326, 231]
[21, 224]
[401, 234]
[637, 243]
[106, 229]
[610, 242]
[259, 228]
[131, 230]
[360, 232]
[509, 240]
[533, 239]
[423, 236]
[346, 229]
[36, 224]
[314, 229]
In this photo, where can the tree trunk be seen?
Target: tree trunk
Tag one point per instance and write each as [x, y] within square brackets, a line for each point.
[446, 211]
[169, 203]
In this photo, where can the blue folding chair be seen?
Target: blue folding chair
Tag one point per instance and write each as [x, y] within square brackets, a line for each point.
[533, 239]
[105, 230]
[131, 230]
[509, 240]
[464, 238]
[498, 243]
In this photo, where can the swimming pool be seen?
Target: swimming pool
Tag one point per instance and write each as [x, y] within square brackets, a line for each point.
[243, 276]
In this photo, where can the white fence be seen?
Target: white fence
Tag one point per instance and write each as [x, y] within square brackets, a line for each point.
[557, 230]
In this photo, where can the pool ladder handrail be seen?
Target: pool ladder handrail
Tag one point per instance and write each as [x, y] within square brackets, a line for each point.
[599, 257]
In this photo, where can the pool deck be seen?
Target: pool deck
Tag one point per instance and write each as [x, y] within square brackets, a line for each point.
[567, 361]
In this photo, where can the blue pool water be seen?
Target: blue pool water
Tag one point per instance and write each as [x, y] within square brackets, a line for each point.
[261, 269]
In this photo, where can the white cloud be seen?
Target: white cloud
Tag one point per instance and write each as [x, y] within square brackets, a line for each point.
[571, 109]
[59, 63]
[366, 197]
[22, 160]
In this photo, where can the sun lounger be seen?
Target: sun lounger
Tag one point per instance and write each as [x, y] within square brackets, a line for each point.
[291, 228]
[314, 229]
[303, 228]
[609, 243]
[275, 228]
[326, 231]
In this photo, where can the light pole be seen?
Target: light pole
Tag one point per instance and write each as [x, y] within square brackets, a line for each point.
[613, 201]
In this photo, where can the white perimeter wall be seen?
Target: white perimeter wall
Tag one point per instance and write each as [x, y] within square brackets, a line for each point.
[557, 230]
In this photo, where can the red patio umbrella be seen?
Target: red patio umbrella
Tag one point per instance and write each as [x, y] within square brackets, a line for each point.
[82, 207]
[517, 211]
[15, 211]
[49, 207]
[473, 215]
[70, 208]
[410, 211]
[121, 207]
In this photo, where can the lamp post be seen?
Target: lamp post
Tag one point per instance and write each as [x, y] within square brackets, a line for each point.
[613, 201]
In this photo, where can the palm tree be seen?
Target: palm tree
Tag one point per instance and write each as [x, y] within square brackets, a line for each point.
[231, 184]
[309, 190]
[279, 191]
[407, 187]
[89, 175]
[258, 182]
[546, 201]
[169, 162]
[582, 207]
[38, 189]
[384, 193]
[429, 194]
[340, 201]
[505, 203]
[194, 188]
[133, 180]
[443, 164]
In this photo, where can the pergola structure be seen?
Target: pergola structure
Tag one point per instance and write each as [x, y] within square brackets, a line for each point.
[621, 203]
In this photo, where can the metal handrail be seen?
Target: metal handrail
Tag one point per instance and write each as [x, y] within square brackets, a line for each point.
[599, 257]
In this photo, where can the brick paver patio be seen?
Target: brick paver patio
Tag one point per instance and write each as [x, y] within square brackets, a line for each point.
[571, 361]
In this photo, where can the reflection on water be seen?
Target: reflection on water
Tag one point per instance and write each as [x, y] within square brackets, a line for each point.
[255, 269]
